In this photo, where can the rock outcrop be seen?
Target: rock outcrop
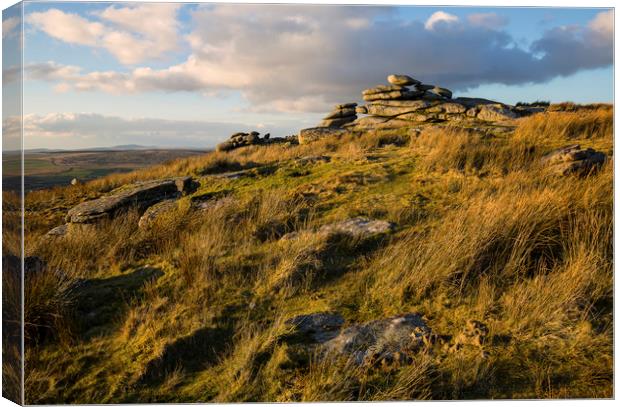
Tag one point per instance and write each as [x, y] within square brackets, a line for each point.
[140, 195]
[407, 102]
[574, 160]
[253, 138]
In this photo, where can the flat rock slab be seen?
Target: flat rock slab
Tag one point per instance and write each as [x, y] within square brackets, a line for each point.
[358, 228]
[141, 196]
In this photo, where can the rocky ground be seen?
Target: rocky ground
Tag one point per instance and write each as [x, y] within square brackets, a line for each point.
[465, 255]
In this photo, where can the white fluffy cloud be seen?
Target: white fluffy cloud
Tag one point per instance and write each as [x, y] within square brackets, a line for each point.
[132, 34]
[303, 58]
[439, 17]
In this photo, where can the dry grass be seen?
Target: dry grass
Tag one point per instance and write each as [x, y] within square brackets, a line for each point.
[483, 233]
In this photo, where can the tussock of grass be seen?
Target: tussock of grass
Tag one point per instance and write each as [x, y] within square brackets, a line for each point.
[483, 233]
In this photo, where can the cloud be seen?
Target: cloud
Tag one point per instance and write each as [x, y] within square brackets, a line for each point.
[491, 21]
[440, 17]
[303, 58]
[76, 130]
[9, 25]
[132, 34]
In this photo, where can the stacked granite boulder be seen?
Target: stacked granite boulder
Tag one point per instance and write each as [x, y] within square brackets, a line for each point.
[341, 115]
[249, 139]
[407, 100]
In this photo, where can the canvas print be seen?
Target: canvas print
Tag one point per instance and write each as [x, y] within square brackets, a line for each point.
[217, 202]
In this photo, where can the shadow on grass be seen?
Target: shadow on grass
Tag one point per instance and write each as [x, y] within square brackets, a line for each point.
[101, 302]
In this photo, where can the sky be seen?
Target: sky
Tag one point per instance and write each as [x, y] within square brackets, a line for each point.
[189, 75]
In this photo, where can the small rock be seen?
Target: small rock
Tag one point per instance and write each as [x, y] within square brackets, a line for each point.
[59, 231]
[75, 181]
[380, 339]
[402, 80]
[359, 227]
[574, 160]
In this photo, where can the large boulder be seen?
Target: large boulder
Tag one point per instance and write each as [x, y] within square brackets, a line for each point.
[574, 160]
[140, 195]
[496, 113]
[317, 133]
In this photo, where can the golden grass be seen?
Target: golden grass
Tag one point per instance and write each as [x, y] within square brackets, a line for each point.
[483, 233]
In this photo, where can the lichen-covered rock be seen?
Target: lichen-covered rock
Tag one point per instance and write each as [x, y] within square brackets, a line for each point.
[140, 195]
[361, 110]
[156, 211]
[317, 133]
[381, 339]
[359, 227]
[574, 160]
[496, 113]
